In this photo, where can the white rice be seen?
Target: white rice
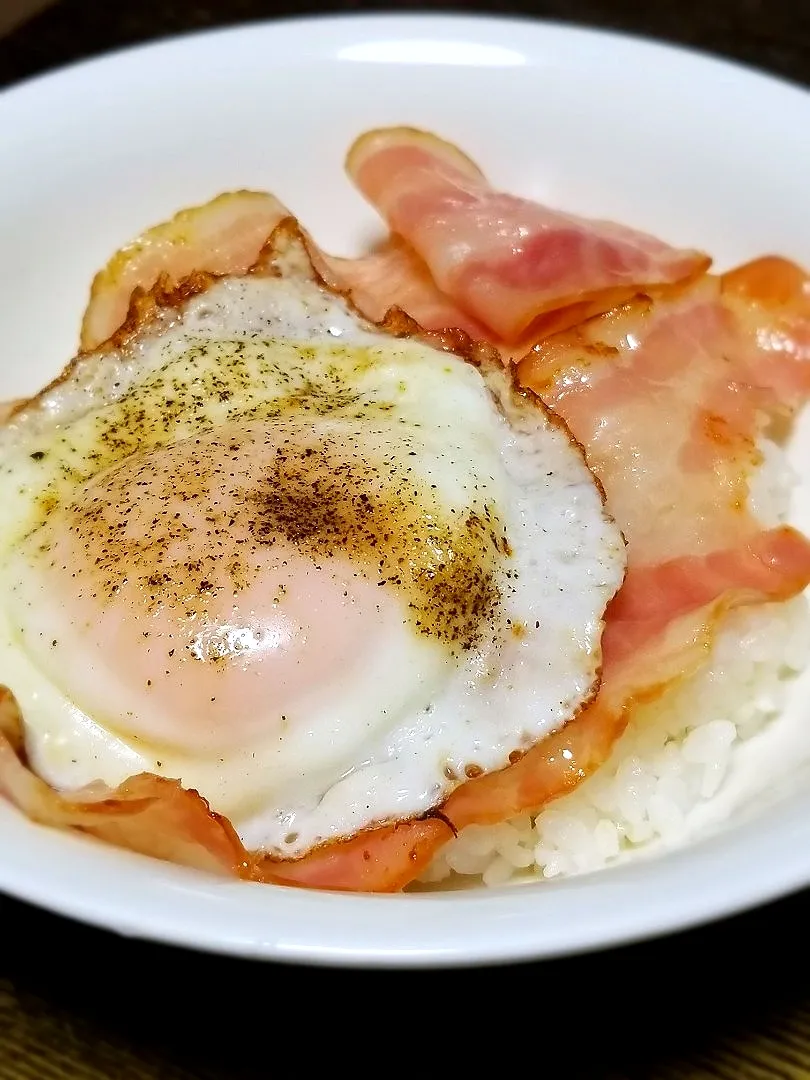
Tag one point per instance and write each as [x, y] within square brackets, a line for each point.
[672, 760]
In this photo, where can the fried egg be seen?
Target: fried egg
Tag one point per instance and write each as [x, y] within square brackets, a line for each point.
[317, 573]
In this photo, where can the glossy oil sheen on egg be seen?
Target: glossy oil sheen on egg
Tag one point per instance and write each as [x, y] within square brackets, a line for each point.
[318, 574]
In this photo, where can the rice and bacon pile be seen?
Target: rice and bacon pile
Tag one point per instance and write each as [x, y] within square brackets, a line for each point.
[680, 384]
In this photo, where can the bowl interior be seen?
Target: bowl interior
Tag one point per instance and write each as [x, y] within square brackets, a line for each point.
[605, 126]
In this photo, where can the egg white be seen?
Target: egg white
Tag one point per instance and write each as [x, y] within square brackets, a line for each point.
[384, 739]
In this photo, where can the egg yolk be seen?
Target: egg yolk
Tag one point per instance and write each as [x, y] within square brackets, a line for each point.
[227, 587]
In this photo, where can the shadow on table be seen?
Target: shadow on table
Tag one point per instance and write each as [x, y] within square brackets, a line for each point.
[128, 1008]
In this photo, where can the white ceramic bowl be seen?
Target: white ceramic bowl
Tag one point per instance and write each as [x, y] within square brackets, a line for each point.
[696, 150]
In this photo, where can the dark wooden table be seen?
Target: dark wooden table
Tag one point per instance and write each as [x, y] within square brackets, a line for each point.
[728, 1002]
[770, 34]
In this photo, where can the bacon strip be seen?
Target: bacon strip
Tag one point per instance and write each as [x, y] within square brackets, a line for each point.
[159, 817]
[380, 860]
[223, 236]
[773, 565]
[395, 277]
[147, 813]
[504, 260]
[670, 400]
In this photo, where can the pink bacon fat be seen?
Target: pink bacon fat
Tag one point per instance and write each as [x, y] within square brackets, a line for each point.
[671, 398]
[223, 237]
[506, 261]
